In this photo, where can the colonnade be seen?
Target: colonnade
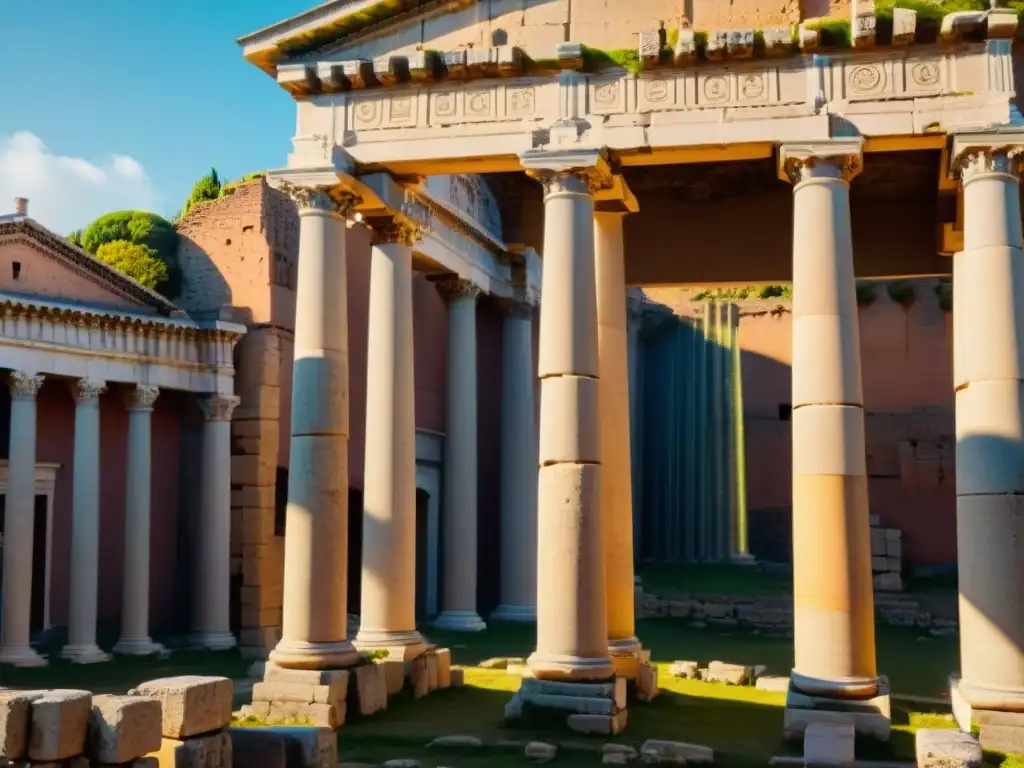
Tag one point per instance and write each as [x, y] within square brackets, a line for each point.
[213, 563]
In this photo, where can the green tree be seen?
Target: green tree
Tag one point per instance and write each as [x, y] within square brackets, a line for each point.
[139, 228]
[139, 262]
[76, 237]
[207, 188]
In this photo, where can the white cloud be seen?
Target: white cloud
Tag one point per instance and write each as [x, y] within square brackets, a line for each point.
[66, 193]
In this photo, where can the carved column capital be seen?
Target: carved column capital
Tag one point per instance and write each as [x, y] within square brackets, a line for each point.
[218, 407]
[579, 171]
[841, 159]
[519, 307]
[87, 391]
[142, 397]
[401, 231]
[975, 155]
[453, 288]
[322, 199]
[24, 386]
[584, 181]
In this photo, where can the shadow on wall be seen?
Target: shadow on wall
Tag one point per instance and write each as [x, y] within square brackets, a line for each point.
[203, 287]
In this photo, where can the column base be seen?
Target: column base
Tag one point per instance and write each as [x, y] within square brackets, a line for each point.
[88, 653]
[850, 688]
[24, 656]
[401, 645]
[869, 716]
[460, 621]
[137, 646]
[297, 654]
[997, 713]
[572, 668]
[625, 655]
[526, 614]
[743, 558]
[588, 708]
[213, 641]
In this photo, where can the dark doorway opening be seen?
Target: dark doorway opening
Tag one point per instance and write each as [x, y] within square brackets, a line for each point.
[37, 616]
[422, 551]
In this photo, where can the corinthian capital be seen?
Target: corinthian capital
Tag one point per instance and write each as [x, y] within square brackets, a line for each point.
[828, 158]
[218, 407]
[982, 154]
[24, 386]
[142, 397]
[452, 288]
[401, 231]
[326, 199]
[583, 171]
[87, 391]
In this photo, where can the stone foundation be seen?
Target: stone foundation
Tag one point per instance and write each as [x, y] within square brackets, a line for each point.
[946, 749]
[869, 717]
[997, 731]
[598, 708]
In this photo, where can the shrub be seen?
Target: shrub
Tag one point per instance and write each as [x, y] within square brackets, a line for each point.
[76, 237]
[207, 188]
[139, 262]
[139, 228]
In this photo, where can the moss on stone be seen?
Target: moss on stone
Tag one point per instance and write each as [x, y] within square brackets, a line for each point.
[596, 59]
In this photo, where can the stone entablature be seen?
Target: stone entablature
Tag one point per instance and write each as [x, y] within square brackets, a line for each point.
[434, 127]
[86, 342]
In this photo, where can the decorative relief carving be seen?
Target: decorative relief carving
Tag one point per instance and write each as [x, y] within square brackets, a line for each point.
[843, 167]
[87, 391]
[142, 397]
[453, 287]
[218, 407]
[401, 231]
[521, 101]
[24, 386]
[577, 181]
[926, 74]
[367, 113]
[444, 104]
[980, 161]
[866, 80]
[716, 89]
[401, 108]
[478, 103]
[753, 87]
[656, 90]
[522, 307]
[322, 198]
[606, 93]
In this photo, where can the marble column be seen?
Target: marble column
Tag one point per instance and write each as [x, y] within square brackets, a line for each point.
[81, 647]
[315, 614]
[616, 471]
[518, 467]
[988, 368]
[572, 625]
[212, 587]
[833, 606]
[388, 616]
[19, 524]
[459, 524]
[135, 639]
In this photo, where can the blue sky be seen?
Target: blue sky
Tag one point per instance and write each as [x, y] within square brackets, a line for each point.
[109, 104]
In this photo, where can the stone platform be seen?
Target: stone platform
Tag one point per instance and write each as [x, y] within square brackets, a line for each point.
[997, 731]
[869, 717]
[589, 707]
[325, 698]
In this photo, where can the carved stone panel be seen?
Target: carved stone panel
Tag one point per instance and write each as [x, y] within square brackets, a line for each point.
[401, 110]
[444, 107]
[925, 76]
[867, 80]
[714, 90]
[366, 113]
[658, 92]
[520, 101]
[480, 104]
[607, 96]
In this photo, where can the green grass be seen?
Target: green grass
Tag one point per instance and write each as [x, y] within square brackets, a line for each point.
[732, 580]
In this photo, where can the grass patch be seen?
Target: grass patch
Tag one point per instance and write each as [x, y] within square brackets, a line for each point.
[685, 578]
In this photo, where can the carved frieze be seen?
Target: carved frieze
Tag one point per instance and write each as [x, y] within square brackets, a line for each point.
[867, 80]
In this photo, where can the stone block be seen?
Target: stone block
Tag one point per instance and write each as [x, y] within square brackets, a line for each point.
[456, 740]
[730, 674]
[893, 534]
[458, 677]
[772, 684]
[514, 707]
[394, 675]
[540, 751]
[273, 673]
[309, 747]
[604, 725]
[418, 680]
[444, 667]
[299, 713]
[212, 750]
[367, 689]
[1002, 738]
[869, 717]
[828, 744]
[15, 709]
[879, 564]
[192, 704]
[646, 682]
[676, 751]
[257, 748]
[946, 749]
[59, 724]
[889, 582]
[431, 661]
[684, 669]
[877, 542]
[650, 46]
[894, 548]
[613, 691]
[122, 728]
[581, 705]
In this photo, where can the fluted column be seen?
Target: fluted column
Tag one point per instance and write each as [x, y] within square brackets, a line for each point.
[518, 467]
[135, 639]
[616, 477]
[572, 626]
[988, 368]
[388, 615]
[19, 524]
[81, 647]
[459, 523]
[315, 611]
[212, 585]
[833, 607]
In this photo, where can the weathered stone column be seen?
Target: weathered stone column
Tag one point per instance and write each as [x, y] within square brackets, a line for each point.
[459, 524]
[988, 369]
[616, 471]
[388, 616]
[213, 560]
[81, 647]
[135, 639]
[833, 607]
[19, 524]
[314, 631]
[518, 467]
[572, 625]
